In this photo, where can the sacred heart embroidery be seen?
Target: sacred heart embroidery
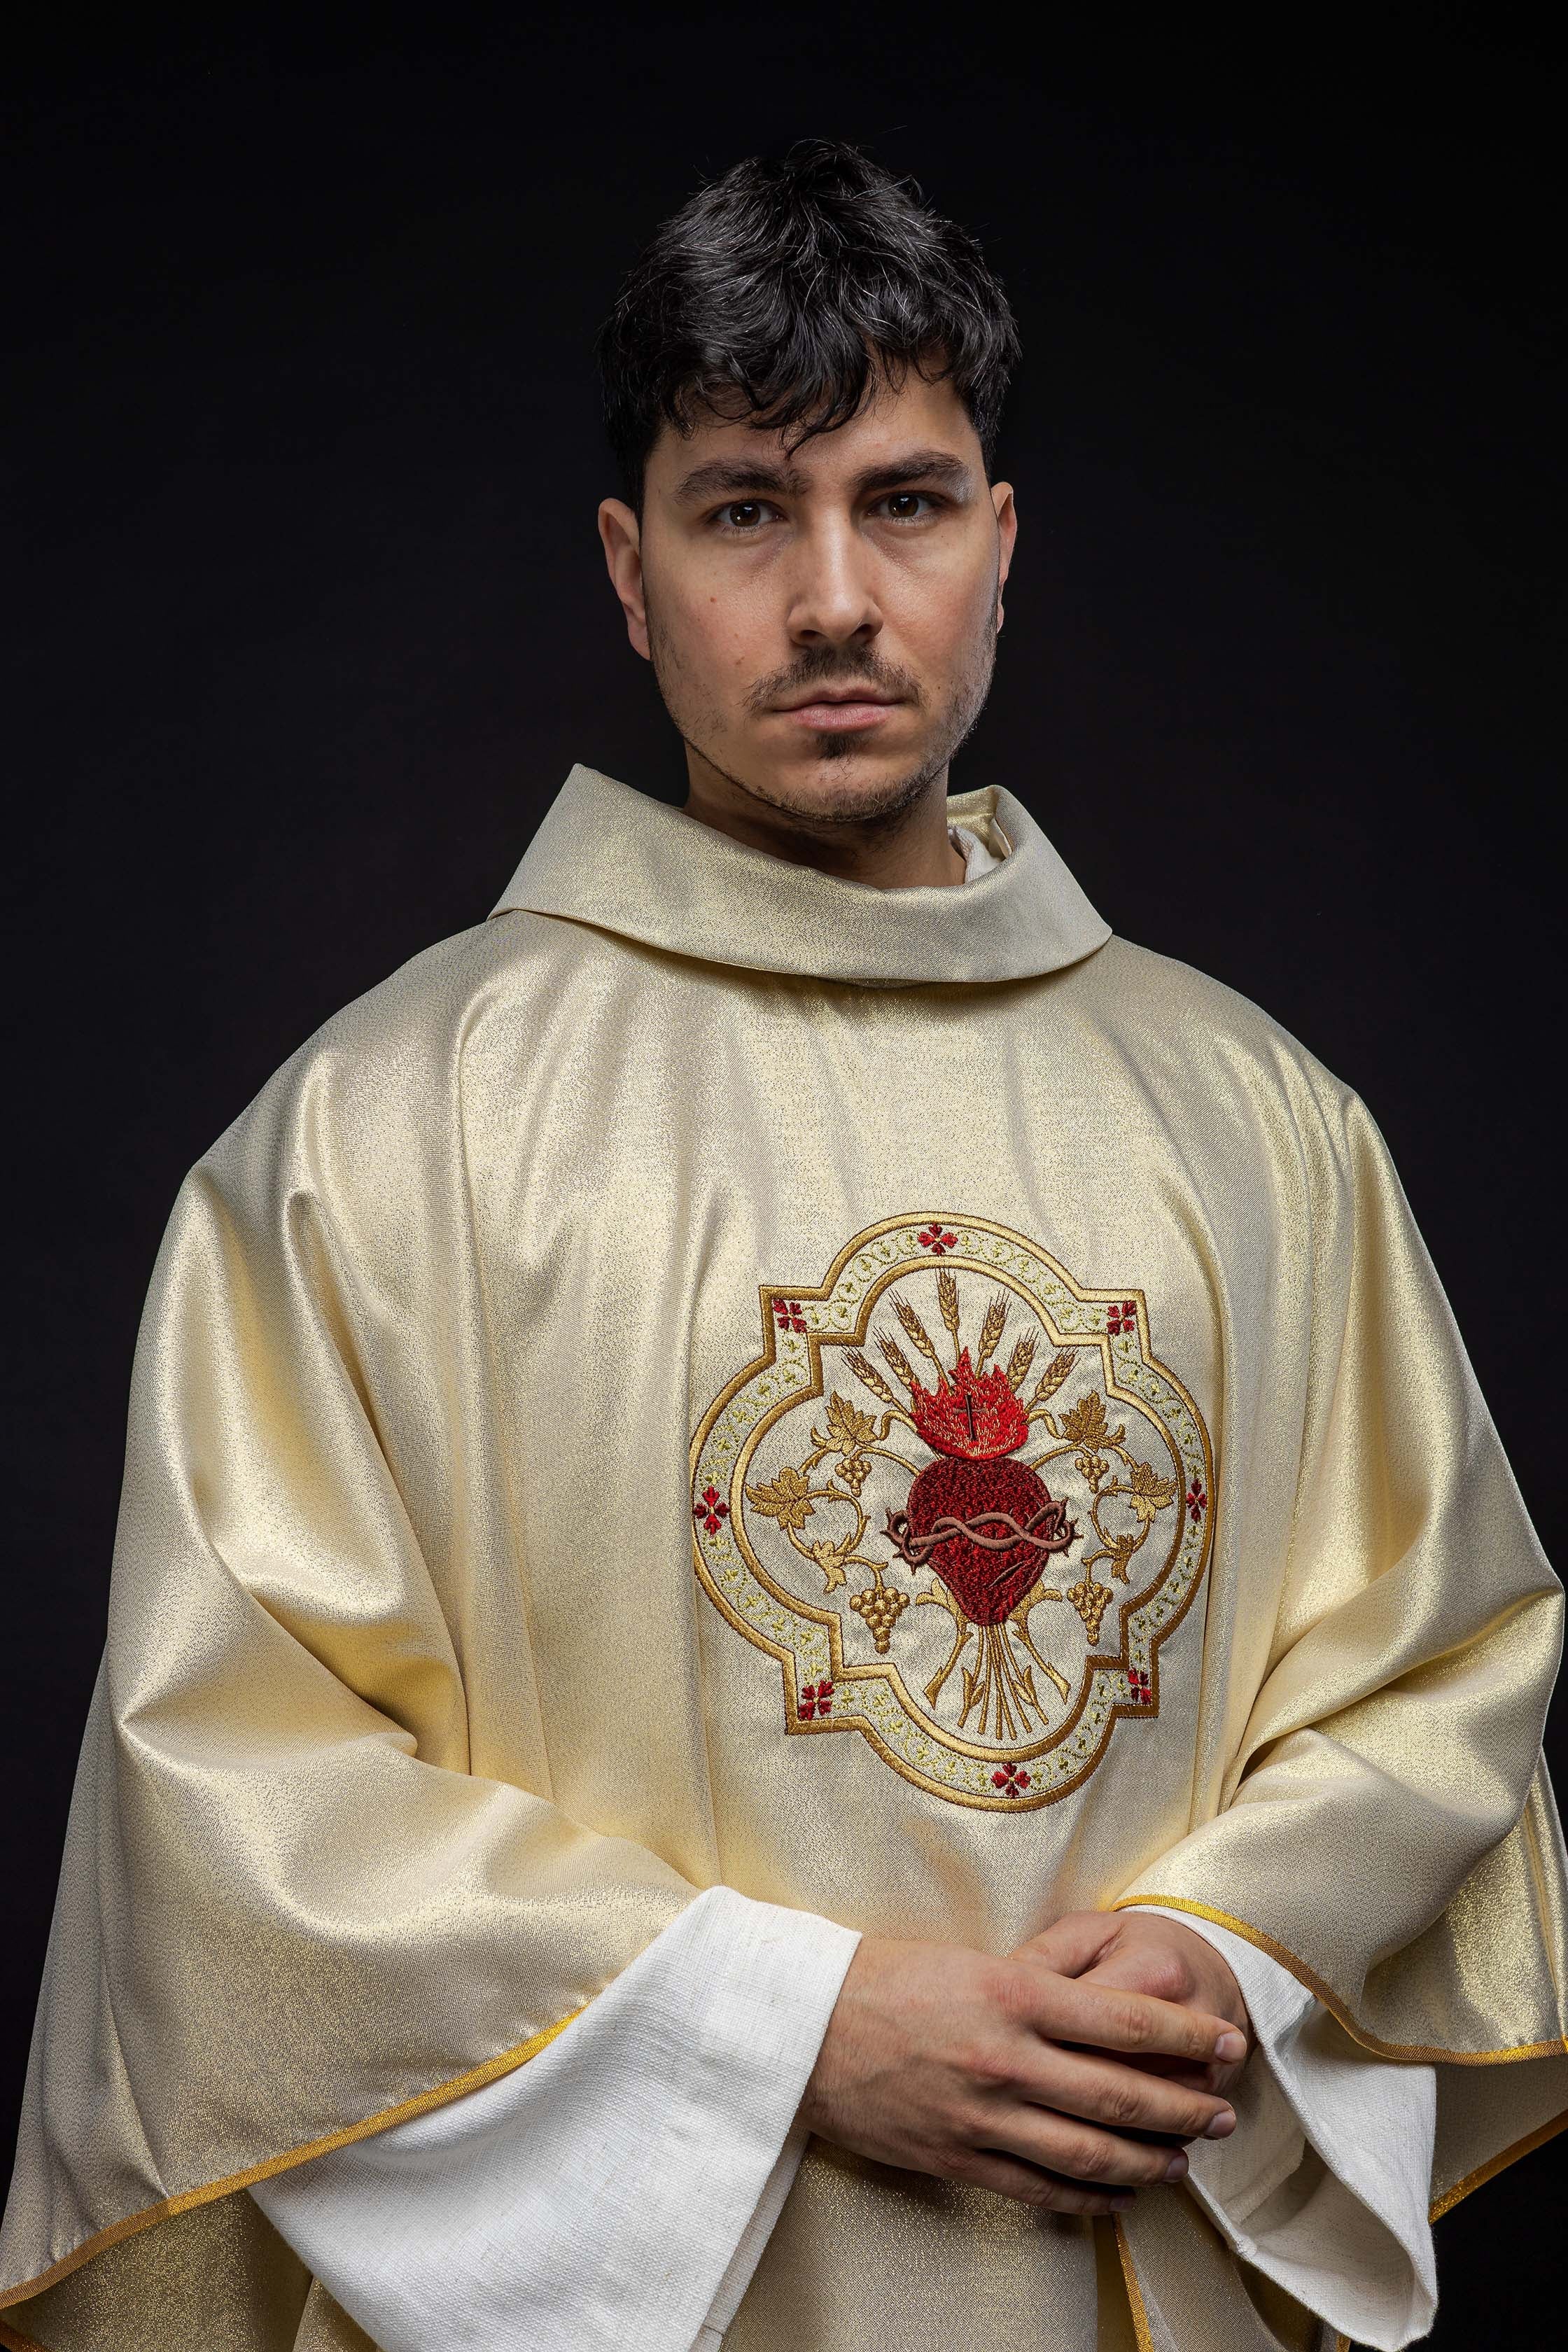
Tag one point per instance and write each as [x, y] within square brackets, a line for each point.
[962, 1502]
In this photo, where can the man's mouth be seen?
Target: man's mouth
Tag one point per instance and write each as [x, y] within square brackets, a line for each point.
[841, 707]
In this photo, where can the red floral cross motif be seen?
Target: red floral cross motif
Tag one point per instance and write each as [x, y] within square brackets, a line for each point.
[1140, 1691]
[1197, 1501]
[1010, 1781]
[1123, 1318]
[709, 1512]
[816, 1698]
[787, 1315]
[936, 1238]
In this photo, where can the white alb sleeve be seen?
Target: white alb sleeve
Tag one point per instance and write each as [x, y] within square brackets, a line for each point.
[620, 2186]
[1324, 2183]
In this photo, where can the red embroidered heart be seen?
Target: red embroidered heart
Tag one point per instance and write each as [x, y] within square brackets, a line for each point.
[986, 1583]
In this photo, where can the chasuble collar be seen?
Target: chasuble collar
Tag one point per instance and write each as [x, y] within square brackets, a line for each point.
[609, 857]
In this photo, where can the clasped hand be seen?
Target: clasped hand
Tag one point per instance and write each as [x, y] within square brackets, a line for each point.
[1066, 2075]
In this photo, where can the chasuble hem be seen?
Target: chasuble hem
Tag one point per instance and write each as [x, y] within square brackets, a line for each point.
[1496, 2164]
[166, 2209]
[1407, 2053]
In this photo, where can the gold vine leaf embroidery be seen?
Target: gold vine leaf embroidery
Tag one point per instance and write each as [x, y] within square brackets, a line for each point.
[854, 1436]
[1084, 1424]
[1147, 1492]
[787, 1499]
[1119, 1550]
[849, 1429]
[832, 1557]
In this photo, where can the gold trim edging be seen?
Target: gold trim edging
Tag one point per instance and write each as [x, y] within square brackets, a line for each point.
[1412, 2054]
[16, 2343]
[506, 2062]
[1134, 2291]
[1444, 2204]
[1496, 2164]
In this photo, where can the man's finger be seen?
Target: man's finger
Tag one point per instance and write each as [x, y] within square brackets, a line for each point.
[1106, 2018]
[1127, 2098]
[1187, 2077]
[1081, 2152]
[1077, 1941]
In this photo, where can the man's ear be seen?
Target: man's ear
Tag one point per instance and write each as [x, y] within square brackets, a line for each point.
[622, 536]
[1008, 534]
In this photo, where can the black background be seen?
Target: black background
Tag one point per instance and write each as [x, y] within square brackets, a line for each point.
[309, 618]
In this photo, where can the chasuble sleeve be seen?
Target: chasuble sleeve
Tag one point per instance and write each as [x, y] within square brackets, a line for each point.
[315, 1879]
[616, 2190]
[1385, 1826]
[1323, 2185]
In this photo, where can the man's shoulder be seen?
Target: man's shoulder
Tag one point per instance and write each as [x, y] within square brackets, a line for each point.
[1169, 1014]
[435, 999]
[390, 1062]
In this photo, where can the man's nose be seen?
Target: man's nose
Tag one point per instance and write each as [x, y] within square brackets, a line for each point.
[833, 599]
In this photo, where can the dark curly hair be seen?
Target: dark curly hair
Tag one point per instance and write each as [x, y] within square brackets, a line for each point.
[786, 291]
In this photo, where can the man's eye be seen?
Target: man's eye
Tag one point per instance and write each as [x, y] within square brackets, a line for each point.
[905, 506]
[742, 514]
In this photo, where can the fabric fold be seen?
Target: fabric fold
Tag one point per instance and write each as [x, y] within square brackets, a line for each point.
[603, 2196]
[759, 913]
[1324, 2184]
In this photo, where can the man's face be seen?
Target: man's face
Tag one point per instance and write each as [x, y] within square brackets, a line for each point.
[822, 623]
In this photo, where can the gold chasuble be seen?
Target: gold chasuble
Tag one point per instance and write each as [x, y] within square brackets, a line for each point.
[897, 1403]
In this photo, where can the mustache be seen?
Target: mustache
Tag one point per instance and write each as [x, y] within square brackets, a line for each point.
[832, 666]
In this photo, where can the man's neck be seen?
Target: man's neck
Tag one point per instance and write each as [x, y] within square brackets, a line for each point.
[905, 850]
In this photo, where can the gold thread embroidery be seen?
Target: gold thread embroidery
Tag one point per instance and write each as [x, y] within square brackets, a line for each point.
[441, 2095]
[1412, 2054]
[1012, 1730]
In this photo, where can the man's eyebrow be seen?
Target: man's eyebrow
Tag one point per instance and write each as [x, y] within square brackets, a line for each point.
[916, 465]
[740, 477]
[752, 478]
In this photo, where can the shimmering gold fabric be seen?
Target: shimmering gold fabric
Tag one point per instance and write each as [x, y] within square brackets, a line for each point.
[415, 1726]
[153, 2292]
[1187, 2289]
[916, 2267]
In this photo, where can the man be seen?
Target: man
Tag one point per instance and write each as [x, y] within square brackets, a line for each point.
[1066, 1866]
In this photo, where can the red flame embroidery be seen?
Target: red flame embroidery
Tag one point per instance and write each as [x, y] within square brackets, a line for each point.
[975, 1415]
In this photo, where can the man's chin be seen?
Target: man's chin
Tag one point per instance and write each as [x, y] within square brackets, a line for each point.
[844, 783]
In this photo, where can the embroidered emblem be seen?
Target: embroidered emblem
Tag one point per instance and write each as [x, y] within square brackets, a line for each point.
[970, 1563]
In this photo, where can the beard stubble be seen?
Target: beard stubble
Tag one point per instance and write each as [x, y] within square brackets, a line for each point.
[878, 801]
